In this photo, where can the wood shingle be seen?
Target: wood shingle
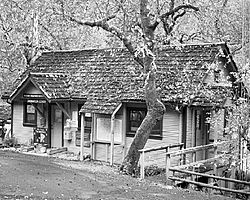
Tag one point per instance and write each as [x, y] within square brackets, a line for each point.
[106, 77]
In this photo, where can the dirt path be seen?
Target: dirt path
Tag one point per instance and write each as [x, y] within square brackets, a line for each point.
[33, 177]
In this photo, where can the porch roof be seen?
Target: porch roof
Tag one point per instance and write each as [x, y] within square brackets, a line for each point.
[107, 77]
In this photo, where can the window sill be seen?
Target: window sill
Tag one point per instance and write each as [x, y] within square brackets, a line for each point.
[107, 142]
[29, 124]
[153, 137]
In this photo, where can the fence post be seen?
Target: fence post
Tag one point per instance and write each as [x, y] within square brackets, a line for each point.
[142, 169]
[193, 156]
[167, 164]
[215, 154]
[182, 155]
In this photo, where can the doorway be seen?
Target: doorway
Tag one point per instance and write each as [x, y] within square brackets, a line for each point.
[56, 127]
[202, 130]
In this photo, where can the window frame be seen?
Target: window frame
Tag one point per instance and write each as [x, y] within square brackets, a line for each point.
[27, 122]
[155, 134]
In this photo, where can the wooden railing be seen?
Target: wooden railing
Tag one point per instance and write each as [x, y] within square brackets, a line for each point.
[146, 150]
[191, 150]
[207, 185]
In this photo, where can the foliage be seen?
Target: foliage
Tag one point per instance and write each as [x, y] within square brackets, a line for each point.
[29, 27]
[153, 170]
[10, 142]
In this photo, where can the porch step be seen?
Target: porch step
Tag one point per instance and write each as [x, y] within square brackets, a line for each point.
[58, 150]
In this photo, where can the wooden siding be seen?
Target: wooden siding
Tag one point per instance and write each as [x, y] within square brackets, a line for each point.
[223, 73]
[102, 139]
[199, 133]
[217, 129]
[28, 89]
[171, 134]
[24, 135]
[72, 109]
[190, 132]
[31, 89]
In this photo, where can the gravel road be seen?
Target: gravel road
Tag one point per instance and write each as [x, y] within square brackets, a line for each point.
[25, 176]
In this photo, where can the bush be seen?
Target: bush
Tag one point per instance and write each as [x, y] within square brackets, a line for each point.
[153, 170]
[10, 142]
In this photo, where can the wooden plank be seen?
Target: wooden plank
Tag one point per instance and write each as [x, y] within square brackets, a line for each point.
[199, 162]
[161, 147]
[210, 176]
[106, 142]
[209, 186]
[82, 136]
[215, 165]
[58, 150]
[112, 139]
[168, 164]
[194, 149]
[182, 158]
[107, 153]
[63, 110]
[142, 169]
[38, 110]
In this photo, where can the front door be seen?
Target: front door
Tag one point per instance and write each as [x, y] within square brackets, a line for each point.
[56, 127]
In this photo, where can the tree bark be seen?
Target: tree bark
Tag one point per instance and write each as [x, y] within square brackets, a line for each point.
[155, 108]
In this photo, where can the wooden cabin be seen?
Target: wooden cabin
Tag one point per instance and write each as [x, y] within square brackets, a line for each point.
[195, 83]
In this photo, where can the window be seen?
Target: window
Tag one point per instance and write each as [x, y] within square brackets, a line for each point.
[226, 122]
[217, 76]
[30, 115]
[135, 117]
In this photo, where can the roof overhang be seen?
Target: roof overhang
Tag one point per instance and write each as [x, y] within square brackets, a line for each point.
[22, 85]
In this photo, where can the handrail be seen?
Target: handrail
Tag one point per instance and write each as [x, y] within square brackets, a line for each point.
[209, 186]
[143, 151]
[195, 149]
[209, 176]
[198, 162]
[161, 147]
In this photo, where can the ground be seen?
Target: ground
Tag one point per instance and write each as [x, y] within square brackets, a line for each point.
[25, 176]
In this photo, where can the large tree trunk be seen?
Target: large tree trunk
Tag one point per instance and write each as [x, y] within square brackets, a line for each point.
[155, 109]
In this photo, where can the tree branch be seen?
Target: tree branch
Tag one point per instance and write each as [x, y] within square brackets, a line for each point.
[52, 35]
[172, 11]
[185, 6]
[179, 15]
[115, 31]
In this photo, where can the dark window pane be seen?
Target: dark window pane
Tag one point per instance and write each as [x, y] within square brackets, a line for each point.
[135, 118]
[29, 115]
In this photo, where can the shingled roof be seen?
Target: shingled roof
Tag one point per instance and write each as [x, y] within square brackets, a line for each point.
[105, 78]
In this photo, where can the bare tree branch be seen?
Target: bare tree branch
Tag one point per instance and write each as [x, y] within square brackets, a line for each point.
[172, 11]
[114, 30]
[175, 10]
[179, 15]
[52, 35]
[171, 4]
[217, 20]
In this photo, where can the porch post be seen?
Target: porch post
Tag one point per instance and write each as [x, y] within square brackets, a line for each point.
[49, 125]
[82, 136]
[112, 141]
